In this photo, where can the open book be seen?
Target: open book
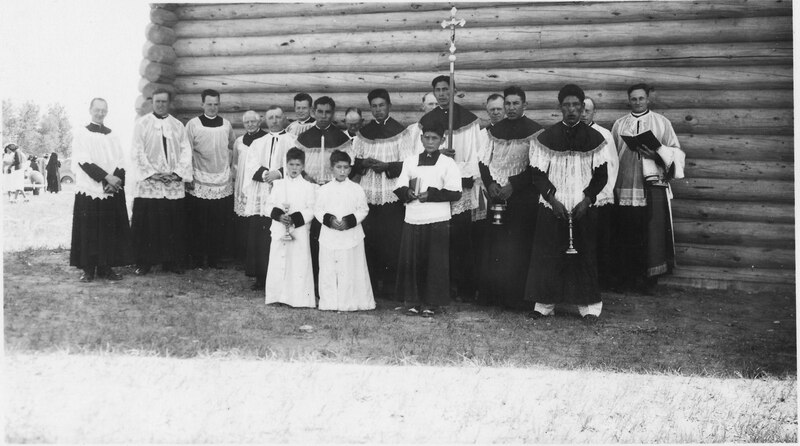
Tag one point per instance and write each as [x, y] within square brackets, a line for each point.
[647, 138]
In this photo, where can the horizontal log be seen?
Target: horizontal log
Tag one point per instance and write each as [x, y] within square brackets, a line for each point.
[727, 54]
[735, 211]
[147, 88]
[162, 16]
[725, 121]
[734, 190]
[738, 147]
[599, 12]
[765, 170]
[734, 256]
[157, 72]
[606, 104]
[741, 279]
[758, 29]
[619, 79]
[738, 233]
[158, 53]
[160, 35]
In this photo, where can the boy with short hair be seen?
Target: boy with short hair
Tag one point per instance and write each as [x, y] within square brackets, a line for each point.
[290, 279]
[341, 206]
[427, 184]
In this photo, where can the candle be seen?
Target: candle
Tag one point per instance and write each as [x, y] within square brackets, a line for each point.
[322, 160]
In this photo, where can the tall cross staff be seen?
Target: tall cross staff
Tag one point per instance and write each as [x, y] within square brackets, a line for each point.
[452, 24]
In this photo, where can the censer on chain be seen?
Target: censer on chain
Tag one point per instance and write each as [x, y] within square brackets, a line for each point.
[498, 211]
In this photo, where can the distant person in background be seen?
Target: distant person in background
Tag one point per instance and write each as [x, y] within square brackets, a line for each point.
[354, 121]
[53, 173]
[35, 177]
[101, 235]
[13, 168]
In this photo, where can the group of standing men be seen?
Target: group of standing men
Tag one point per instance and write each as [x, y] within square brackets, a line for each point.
[573, 184]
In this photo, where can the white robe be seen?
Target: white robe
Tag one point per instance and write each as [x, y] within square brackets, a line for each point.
[211, 159]
[104, 151]
[290, 278]
[344, 283]
[606, 196]
[269, 152]
[151, 157]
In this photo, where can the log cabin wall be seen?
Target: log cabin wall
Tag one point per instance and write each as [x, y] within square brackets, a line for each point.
[722, 73]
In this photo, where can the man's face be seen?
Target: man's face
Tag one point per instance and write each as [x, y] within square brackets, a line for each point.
[250, 122]
[380, 108]
[442, 92]
[495, 110]
[588, 112]
[341, 170]
[211, 106]
[302, 110]
[323, 114]
[293, 168]
[161, 103]
[429, 103]
[353, 122]
[515, 106]
[274, 120]
[571, 110]
[639, 101]
[431, 141]
[98, 111]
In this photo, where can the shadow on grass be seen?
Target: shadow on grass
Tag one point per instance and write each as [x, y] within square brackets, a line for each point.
[213, 312]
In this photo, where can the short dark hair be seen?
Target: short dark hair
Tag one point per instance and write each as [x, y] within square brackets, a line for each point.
[295, 154]
[322, 100]
[208, 92]
[647, 89]
[339, 156]
[274, 107]
[300, 97]
[91, 103]
[494, 96]
[352, 109]
[442, 78]
[433, 126]
[379, 93]
[571, 90]
[161, 90]
[514, 91]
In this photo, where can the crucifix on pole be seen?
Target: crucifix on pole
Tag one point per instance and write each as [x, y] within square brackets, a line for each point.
[452, 24]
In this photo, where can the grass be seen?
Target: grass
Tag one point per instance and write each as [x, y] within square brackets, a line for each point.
[710, 366]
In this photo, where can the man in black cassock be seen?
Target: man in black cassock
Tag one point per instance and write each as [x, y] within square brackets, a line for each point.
[507, 175]
[569, 170]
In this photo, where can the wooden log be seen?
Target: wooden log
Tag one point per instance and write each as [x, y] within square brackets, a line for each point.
[741, 279]
[481, 80]
[147, 88]
[160, 35]
[738, 211]
[158, 53]
[758, 29]
[162, 16]
[734, 233]
[738, 147]
[157, 72]
[599, 12]
[734, 190]
[740, 54]
[683, 120]
[734, 256]
[764, 170]
[607, 103]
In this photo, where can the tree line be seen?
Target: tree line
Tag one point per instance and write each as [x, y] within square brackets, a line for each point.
[36, 133]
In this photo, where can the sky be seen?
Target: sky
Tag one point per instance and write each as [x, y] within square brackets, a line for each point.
[71, 51]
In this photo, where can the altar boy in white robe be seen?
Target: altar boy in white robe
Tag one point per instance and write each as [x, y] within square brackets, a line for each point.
[290, 278]
[341, 207]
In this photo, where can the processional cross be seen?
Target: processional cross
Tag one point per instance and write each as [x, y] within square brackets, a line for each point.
[452, 24]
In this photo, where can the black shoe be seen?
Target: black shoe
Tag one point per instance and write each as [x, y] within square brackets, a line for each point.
[86, 277]
[591, 319]
[141, 270]
[108, 274]
[536, 315]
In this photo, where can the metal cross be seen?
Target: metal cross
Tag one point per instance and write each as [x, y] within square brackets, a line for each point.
[452, 24]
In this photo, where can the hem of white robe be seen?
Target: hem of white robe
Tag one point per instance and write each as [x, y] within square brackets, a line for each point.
[592, 309]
